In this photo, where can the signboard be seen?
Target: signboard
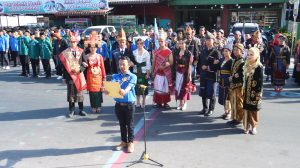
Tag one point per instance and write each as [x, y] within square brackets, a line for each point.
[50, 6]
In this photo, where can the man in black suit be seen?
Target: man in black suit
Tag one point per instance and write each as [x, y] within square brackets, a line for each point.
[121, 51]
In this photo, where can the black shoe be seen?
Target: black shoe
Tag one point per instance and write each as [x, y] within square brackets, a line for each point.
[82, 113]
[209, 113]
[48, 77]
[236, 123]
[158, 106]
[22, 74]
[166, 106]
[71, 114]
[202, 112]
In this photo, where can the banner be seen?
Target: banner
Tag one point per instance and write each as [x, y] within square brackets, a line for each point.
[50, 6]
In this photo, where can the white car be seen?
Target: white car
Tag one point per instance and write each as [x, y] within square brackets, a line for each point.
[99, 29]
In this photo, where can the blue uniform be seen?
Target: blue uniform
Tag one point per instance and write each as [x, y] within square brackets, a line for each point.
[13, 43]
[103, 50]
[129, 79]
[4, 43]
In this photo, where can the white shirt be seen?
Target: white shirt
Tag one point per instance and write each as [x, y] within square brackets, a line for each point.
[145, 57]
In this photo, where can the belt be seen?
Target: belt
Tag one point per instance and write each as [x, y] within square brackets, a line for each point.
[225, 72]
[125, 103]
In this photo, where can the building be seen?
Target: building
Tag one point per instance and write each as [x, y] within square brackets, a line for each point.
[223, 14]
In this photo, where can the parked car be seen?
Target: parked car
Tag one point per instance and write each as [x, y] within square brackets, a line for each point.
[99, 29]
[248, 27]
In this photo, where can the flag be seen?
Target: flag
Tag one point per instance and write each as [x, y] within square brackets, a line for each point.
[155, 34]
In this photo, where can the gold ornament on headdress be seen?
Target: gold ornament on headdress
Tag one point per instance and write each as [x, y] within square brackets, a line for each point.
[73, 37]
[256, 34]
[122, 35]
[188, 30]
[162, 34]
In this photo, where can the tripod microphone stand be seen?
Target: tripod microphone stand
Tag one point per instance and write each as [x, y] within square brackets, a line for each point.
[145, 155]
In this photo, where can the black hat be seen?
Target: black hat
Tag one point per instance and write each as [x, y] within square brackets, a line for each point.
[42, 33]
[31, 34]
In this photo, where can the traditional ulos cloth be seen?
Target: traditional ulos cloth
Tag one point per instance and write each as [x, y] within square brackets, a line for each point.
[225, 72]
[76, 83]
[142, 65]
[95, 76]
[236, 92]
[280, 58]
[252, 89]
[163, 78]
[183, 74]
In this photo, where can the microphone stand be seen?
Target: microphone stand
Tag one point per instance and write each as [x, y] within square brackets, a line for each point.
[145, 156]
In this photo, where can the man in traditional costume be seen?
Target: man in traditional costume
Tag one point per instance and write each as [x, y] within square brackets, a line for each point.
[236, 83]
[161, 71]
[193, 47]
[280, 61]
[296, 71]
[121, 51]
[71, 58]
[256, 41]
[207, 71]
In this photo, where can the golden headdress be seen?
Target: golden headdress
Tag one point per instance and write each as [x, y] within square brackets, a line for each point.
[73, 37]
[92, 40]
[162, 34]
[188, 30]
[256, 34]
[122, 35]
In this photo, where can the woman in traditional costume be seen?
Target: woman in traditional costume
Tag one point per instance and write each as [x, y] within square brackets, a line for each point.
[280, 59]
[252, 89]
[224, 83]
[183, 65]
[142, 69]
[95, 75]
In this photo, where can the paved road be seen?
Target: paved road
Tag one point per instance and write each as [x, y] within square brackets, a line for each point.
[35, 133]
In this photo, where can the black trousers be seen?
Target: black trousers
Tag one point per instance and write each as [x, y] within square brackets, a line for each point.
[212, 103]
[25, 64]
[34, 65]
[15, 57]
[4, 58]
[47, 67]
[125, 115]
[72, 106]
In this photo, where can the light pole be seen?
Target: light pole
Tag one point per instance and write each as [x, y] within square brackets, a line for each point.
[295, 15]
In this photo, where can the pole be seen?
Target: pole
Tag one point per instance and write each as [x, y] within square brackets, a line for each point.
[295, 14]
[144, 16]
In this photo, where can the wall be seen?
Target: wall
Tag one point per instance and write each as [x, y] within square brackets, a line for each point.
[151, 10]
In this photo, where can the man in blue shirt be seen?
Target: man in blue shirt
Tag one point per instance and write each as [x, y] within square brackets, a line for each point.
[14, 48]
[4, 46]
[125, 107]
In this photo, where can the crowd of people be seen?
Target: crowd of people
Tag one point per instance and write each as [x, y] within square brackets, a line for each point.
[173, 61]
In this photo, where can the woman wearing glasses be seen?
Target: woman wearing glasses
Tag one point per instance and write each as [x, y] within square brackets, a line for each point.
[142, 70]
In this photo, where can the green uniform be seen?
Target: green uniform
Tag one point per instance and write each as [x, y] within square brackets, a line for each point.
[34, 49]
[23, 44]
[67, 38]
[45, 49]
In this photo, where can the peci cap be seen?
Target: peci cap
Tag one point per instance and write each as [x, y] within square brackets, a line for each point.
[209, 36]
[239, 46]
